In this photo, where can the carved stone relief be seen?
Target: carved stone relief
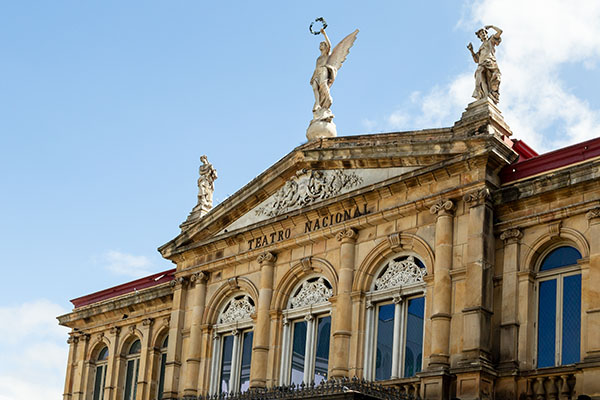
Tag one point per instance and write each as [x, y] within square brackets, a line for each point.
[237, 310]
[310, 293]
[400, 273]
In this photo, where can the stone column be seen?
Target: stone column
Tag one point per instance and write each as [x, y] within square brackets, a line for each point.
[509, 325]
[342, 331]
[173, 364]
[442, 285]
[143, 384]
[79, 375]
[198, 299]
[591, 299]
[205, 359]
[112, 367]
[72, 342]
[261, 340]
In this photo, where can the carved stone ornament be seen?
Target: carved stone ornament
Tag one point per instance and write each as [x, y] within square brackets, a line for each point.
[178, 282]
[400, 273]
[306, 264]
[267, 257]
[199, 277]
[310, 293]
[72, 340]
[593, 213]
[511, 235]
[347, 234]
[115, 330]
[148, 321]
[477, 197]
[237, 310]
[442, 207]
[308, 187]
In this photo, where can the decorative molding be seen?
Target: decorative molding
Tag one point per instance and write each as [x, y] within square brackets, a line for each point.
[400, 273]
[478, 197]
[511, 235]
[443, 207]
[237, 310]
[267, 257]
[307, 187]
[115, 330]
[233, 283]
[306, 264]
[99, 336]
[394, 240]
[166, 321]
[593, 213]
[131, 328]
[310, 293]
[348, 234]
[554, 229]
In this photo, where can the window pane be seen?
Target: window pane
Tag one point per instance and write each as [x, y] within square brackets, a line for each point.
[546, 324]
[135, 377]
[135, 347]
[99, 382]
[322, 360]
[246, 358]
[103, 355]
[226, 363]
[385, 342]
[161, 377]
[561, 257]
[129, 380]
[298, 348]
[571, 319]
[413, 352]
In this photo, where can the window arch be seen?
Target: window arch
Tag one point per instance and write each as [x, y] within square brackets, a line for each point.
[395, 319]
[558, 282]
[132, 369]
[232, 346]
[100, 374]
[306, 334]
[162, 366]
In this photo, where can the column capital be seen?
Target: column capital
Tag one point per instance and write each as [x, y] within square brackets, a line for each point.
[443, 207]
[178, 283]
[72, 340]
[115, 330]
[478, 197]
[199, 277]
[594, 213]
[511, 235]
[147, 321]
[346, 236]
[267, 257]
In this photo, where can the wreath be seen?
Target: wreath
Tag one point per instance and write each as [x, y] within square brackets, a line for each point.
[322, 21]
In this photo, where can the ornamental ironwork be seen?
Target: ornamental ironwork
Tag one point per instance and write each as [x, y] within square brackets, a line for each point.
[308, 187]
[237, 310]
[400, 273]
[315, 292]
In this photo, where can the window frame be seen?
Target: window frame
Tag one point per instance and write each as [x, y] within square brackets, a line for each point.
[103, 366]
[162, 365]
[559, 274]
[311, 314]
[400, 296]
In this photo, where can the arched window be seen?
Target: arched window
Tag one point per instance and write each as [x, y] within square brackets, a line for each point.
[306, 335]
[232, 347]
[394, 324]
[132, 370]
[100, 374]
[161, 369]
[559, 308]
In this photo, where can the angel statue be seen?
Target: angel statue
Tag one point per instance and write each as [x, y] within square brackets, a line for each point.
[487, 75]
[328, 64]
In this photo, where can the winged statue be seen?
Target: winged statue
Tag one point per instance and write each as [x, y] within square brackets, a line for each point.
[328, 64]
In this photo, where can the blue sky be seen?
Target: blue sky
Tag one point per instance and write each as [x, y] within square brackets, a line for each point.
[106, 107]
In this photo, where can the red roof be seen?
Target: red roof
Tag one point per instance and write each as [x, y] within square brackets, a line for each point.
[526, 167]
[138, 284]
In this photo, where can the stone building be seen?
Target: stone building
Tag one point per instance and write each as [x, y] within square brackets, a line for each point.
[453, 262]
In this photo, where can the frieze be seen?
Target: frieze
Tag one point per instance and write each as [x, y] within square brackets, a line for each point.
[307, 187]
[400, 273]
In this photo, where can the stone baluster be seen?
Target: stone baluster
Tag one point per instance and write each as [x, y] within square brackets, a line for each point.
[198, 299]
[261, 340]
[342, 332]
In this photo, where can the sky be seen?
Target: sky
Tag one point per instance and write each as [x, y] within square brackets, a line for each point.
[107, 106]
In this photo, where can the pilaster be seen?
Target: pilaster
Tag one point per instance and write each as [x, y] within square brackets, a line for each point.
[79, 376]
[72, 342]
[112, 368]
[173, 364]
[198, 299]
[143, 384]
[591, 289]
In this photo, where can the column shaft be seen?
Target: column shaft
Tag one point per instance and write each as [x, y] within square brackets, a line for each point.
[509, 326]
[173, 363]
[590, 289]
[198, 298]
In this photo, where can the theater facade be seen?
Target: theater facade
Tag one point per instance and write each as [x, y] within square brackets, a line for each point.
[453, 262]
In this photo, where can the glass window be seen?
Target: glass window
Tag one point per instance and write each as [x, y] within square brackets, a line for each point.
[161, 371]
[307, 333]
[132, 370]
[395, 320]
[100, 374]
[232, 347]
[559, 308]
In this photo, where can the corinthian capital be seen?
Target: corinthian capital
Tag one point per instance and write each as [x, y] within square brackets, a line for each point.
[477, 197]
[443, 207]
[266, 257]
[348, 234]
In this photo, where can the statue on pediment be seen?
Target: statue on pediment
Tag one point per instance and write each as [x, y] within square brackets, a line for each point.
[206, 187]
[487, 75]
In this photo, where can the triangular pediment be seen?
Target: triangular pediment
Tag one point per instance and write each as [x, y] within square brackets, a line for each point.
[325, 171]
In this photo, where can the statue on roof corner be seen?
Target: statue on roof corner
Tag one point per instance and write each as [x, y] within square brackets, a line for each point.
[206, 187]
[328, 64]
[487, 75]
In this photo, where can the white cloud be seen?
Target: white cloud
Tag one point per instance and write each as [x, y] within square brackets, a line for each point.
[540, 36]
[34, 351]
[127, 264]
